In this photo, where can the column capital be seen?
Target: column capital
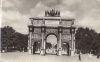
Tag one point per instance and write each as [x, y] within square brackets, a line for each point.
[43, 29]
[31, 28]
[60, 29]
[72, 30]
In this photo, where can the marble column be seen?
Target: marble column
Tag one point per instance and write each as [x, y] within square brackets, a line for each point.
[0, 47]
[30, 43]
[60, 47]
[59, 42]
[42, 52]
[43, 42]
[73, 43]
[72, 49]
[44, 46]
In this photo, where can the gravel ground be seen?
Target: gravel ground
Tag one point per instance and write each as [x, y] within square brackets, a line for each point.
[25, 57]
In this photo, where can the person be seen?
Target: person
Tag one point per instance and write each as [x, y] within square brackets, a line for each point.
[79, 56]
[98, 55]
[90, 55]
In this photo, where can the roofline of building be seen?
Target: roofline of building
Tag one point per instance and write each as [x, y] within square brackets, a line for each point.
[52, 18]
[52, 27]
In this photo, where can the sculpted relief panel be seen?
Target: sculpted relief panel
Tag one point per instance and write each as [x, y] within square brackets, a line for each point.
[37, 30]
[51, 30]
[66, 23]
[66, 31]
[37, 22]
[66, 38]
[36, 36]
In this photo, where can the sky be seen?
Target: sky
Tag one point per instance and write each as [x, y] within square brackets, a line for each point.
[52, 39]
[16, 13]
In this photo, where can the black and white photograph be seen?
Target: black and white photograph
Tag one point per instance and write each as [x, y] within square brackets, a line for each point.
[49, 30]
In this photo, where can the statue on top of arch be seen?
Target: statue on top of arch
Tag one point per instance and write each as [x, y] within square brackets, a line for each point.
[52, 13]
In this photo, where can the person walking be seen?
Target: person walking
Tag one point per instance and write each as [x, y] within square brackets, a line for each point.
[98, 56]
[79, 56]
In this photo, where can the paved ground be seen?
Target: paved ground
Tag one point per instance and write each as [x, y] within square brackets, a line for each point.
[25, 57]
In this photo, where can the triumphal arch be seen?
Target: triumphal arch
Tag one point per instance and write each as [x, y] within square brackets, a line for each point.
[51, 24]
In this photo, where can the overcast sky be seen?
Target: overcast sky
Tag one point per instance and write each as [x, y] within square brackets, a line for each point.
[16, 13]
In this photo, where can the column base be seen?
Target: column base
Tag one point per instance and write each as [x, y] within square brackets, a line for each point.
[72, 53]
[59, 52]
[3, 51]
[42, 52]
[30, 51]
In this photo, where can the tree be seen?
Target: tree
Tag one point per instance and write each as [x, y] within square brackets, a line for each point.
[7, 34]
[48, 45]
[96, 44]
[21, 41]
[12, 39]
[85, 39]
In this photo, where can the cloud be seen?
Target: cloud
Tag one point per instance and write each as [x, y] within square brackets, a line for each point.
[17, 12]
[51, 3]
[83, 7]
[23, 6]
[7, 3]
[11, 3]
[0, 17]
[52, 39]
[27, 5]
[55, 3]
[38, 10]
[91, 23]
[92, 20]
[15, 19]
[66, 14]
[98, 0]
[40, 6]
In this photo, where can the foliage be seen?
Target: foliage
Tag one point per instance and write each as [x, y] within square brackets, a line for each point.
[7, 34]
[12, 39]
[87, 40]
[48, 45]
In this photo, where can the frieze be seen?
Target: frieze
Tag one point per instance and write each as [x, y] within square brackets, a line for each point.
[37, 30]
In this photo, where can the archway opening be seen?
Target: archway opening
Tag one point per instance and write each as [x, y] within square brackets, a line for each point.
[65, 48]
[51, 44]
[36, 47]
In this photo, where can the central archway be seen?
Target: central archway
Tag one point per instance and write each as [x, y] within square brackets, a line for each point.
[51, 44]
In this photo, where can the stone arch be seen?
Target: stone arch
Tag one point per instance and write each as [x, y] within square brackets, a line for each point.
[53, 46]
[66, 47]
[52, 34]
[36, 46]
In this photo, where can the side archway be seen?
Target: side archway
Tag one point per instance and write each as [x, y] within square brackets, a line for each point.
[65, 48]
[36, 47]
